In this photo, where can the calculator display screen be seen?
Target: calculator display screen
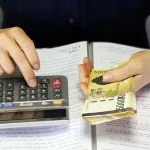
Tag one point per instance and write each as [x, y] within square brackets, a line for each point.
[29, 115]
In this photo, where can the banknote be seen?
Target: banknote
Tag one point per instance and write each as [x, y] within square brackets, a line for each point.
[109, 101]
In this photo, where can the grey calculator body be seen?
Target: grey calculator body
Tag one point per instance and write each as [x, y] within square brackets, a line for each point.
[45, 104]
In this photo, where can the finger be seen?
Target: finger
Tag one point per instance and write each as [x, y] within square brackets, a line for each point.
[83, 72]
[27, 45]
[1, 71]
[119, 73]
[84, 87]
[6, 62]
[140, 82]
[22, 62]
[88, 63]
[86, 80]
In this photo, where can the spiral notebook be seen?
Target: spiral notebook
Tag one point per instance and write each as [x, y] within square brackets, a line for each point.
[132, 133]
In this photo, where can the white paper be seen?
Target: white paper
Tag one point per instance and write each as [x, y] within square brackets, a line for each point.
[132, 133]
[75, 136]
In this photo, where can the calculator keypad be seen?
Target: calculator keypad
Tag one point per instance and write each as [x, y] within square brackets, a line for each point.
[48, 101]
[15, 92]
[22, 98]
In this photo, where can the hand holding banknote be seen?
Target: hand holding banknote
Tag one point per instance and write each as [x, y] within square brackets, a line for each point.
[110, 93]
[138, 66]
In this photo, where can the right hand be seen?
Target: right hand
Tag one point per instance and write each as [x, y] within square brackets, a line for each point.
[17, 47]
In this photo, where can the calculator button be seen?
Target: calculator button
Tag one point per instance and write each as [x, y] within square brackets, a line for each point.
[23, 87]
[9, 86]
[1, 99]
[1, 105]
[22, 98]
[33, 88]
[22, 92]
[56, 83]
[43, 91]
[1, 86]
[46, 81]
[44, 97]
[43, 86]
[1, 94]
[56, 91]
[9, 99]
[33, 97]
[9, 93]
[57, 102]
[57, 96]
[34, 92]
[8, 105]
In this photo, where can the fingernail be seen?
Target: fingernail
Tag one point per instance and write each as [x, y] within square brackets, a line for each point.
[107, 78]
[32, 82]
[36, 66]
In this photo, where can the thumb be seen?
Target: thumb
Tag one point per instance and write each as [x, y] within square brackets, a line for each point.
[120, 73]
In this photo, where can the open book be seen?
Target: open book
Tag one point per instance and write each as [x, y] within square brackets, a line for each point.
[132, 133]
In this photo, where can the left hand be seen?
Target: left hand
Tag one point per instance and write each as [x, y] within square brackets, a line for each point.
[84, 72]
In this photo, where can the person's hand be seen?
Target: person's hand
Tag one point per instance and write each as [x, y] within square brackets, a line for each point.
[138, 66]
[17, 48]
[84, 72]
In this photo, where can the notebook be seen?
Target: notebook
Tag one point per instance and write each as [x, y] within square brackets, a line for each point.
[132, 133]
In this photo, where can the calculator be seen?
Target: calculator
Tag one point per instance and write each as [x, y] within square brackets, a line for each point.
[45, 104]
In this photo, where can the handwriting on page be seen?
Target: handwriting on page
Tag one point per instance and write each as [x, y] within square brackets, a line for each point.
[62, 61]
[119, 51]
[110, 61]
[131, 133]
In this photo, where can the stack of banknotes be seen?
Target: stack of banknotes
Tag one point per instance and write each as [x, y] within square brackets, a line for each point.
[108, 101]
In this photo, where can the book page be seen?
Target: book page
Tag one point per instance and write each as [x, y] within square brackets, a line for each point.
[74, 136]
[132, 133]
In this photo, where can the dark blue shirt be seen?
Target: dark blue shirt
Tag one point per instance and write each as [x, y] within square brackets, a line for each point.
[57, 22]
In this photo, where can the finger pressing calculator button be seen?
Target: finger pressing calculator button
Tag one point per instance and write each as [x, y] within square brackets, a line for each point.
[33, 92]
[23, 87]
[8, 105]
[43, 86]
[56, 91]
[9, 86]
[56, 83]
[43, 91]
[9, 93]
[57, 96]
[9, 99]
[22, 98]
[44, 97]
[1, 86]
[46, 81]
[33, 97]
[22, 92]
[33, 88]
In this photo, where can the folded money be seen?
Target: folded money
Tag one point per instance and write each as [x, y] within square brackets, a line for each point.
[108, 101]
